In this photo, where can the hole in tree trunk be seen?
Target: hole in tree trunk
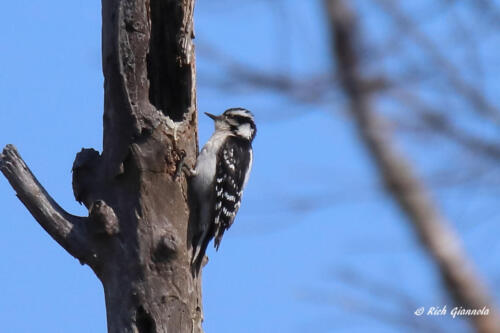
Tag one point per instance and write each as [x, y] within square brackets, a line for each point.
[170, 81]
[144, 321]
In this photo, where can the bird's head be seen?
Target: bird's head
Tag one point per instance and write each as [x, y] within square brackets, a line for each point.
[240, 122]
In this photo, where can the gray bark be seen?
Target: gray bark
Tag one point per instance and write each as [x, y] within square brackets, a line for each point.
[137, 236]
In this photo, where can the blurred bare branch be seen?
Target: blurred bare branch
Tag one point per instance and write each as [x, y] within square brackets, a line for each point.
[433, 229]
[391, 305]
[440, 122]
[311, 90]
[389, 293]
[464, 89]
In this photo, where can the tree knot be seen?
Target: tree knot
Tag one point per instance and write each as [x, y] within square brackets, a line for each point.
[166, 247]
[103, 219]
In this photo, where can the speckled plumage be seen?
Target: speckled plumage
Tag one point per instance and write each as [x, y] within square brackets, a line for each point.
[222, 171]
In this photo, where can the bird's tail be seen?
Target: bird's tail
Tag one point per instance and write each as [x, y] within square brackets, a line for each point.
[199, 251]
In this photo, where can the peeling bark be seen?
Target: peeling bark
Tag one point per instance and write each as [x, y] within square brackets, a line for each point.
[137, 237]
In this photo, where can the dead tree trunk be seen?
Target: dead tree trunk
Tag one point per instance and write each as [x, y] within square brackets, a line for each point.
[436, 235]
[137, 237]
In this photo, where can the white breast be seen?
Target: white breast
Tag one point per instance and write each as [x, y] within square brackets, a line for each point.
[206, 164]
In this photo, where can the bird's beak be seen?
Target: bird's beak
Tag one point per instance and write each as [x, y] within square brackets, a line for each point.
[212, 116]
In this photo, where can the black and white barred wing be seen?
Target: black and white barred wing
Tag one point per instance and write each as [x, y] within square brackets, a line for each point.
[233, 167]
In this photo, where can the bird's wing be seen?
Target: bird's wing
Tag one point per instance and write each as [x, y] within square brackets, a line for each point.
[234, 161]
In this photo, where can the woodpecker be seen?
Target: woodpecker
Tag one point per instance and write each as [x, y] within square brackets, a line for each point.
[220, 175]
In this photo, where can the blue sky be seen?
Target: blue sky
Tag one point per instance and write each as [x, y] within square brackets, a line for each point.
[303, 219]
